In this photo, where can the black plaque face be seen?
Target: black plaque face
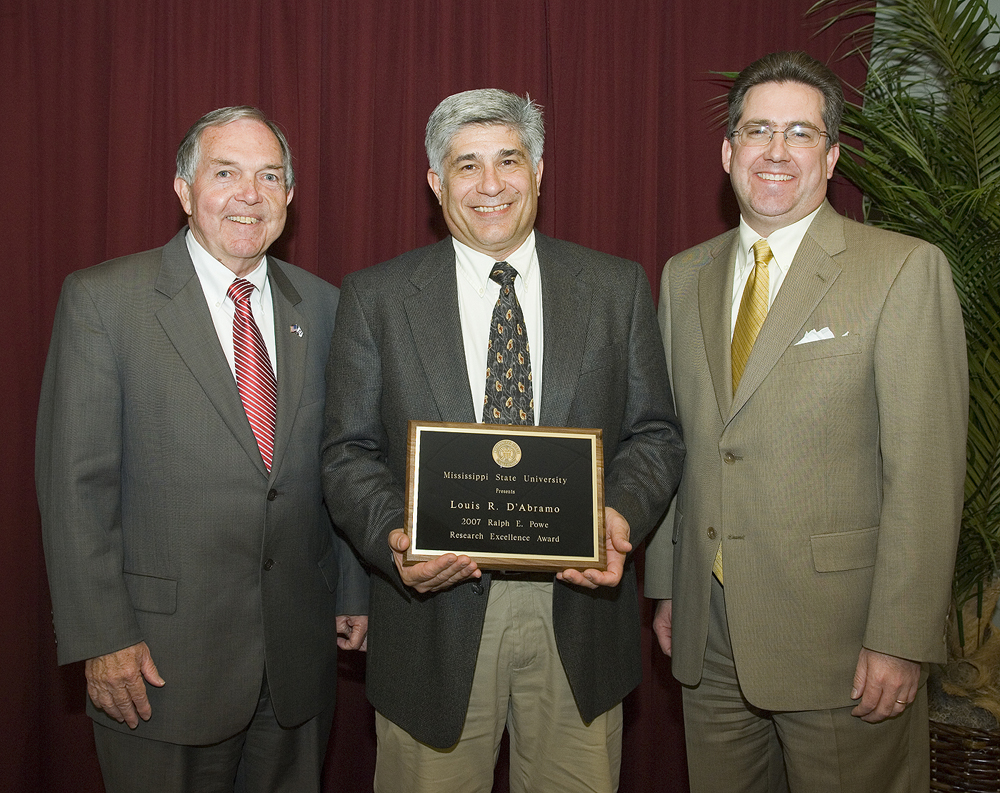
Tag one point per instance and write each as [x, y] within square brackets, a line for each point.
[511, 498]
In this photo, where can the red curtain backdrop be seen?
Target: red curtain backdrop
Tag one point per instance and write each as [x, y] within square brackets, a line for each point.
[96, 96]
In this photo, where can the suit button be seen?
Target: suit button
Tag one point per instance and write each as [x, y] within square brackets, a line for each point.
[711, 533]
[272, 494]
[269, 564]
[477, 588]
[729, 458]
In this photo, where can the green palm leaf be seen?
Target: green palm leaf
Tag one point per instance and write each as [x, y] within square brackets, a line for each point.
[929, 165]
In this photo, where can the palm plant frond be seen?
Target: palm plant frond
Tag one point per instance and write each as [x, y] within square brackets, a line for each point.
[929, 166]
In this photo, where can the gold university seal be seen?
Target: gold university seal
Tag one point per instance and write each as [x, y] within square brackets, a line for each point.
[506, 453]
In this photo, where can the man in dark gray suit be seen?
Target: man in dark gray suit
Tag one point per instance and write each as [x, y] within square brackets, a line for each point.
[457, 653]
[190, 557]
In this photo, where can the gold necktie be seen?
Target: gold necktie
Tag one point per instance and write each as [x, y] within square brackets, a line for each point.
[752, 313]
[753, 310]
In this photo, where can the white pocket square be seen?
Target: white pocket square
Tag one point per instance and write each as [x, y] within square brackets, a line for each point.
[815, 335]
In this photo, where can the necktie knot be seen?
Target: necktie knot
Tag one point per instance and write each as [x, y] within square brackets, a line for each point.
[762, 252]
[504, 275]
[240, 289]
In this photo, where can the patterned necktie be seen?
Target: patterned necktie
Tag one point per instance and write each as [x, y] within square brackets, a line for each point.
[254, 376]
[508, 398]
[752, 313]
[753, 310]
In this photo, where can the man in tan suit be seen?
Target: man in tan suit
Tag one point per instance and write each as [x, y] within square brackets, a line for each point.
[819, 372]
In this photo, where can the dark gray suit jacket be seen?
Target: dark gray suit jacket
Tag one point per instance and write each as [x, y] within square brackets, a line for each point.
[161, 522]
[398, 355]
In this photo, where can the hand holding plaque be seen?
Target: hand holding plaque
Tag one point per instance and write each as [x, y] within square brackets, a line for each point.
[616, 545]
[434, 575]
[508, 497]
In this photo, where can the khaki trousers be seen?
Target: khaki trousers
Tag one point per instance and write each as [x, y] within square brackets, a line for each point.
[735, 747]
[519, 683]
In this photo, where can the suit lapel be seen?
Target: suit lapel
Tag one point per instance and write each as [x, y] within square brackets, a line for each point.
[187, 321]
[432, 314]
[715, 285]
[290, 349]
[809, 278]
[565, 309]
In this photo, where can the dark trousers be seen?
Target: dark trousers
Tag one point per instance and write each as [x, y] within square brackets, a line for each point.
[263, 758]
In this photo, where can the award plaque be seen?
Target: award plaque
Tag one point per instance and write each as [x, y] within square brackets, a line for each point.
[509, 497]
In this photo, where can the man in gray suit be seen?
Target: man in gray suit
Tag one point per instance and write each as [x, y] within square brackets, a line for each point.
[190, 557]
[819, 368]
[456, 652]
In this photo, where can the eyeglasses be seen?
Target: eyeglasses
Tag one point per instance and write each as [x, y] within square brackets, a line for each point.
[802, 136]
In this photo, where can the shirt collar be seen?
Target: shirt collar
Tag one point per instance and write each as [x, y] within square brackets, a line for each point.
[784, 242]
[476, 267]
[216, 278]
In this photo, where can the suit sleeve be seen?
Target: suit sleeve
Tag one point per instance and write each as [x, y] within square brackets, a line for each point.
[78, 479]
[921, 381]
[645, 471]
[658, 578]
[355, 443]
[352, 583]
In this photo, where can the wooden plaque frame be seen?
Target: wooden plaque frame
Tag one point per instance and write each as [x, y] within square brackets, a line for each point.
[509, 497]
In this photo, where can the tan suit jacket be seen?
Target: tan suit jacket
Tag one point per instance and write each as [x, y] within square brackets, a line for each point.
[834, 477]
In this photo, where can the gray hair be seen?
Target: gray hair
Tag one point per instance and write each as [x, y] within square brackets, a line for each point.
[487, 106]
[791, 67]
[189, 152]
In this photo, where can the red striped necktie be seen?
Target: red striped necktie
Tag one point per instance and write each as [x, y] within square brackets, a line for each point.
[254, 376]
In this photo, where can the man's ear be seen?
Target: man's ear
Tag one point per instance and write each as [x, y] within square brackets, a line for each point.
[435, 182]
[727, 154]
[831, 159]
[183, 190]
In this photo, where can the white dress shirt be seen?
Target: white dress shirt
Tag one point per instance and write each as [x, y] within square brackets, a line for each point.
[784, 244]
[215, 280]
[478, 294]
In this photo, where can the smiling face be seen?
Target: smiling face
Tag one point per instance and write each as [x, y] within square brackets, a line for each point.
[776, 185]
[488, 189]
[236, 205]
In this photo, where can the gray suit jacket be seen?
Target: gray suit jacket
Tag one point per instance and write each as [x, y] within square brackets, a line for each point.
[398, 355]
[834, 478]
[159, 519]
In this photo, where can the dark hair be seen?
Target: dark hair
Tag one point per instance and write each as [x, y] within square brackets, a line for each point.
[189, 152]
[790, 67]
